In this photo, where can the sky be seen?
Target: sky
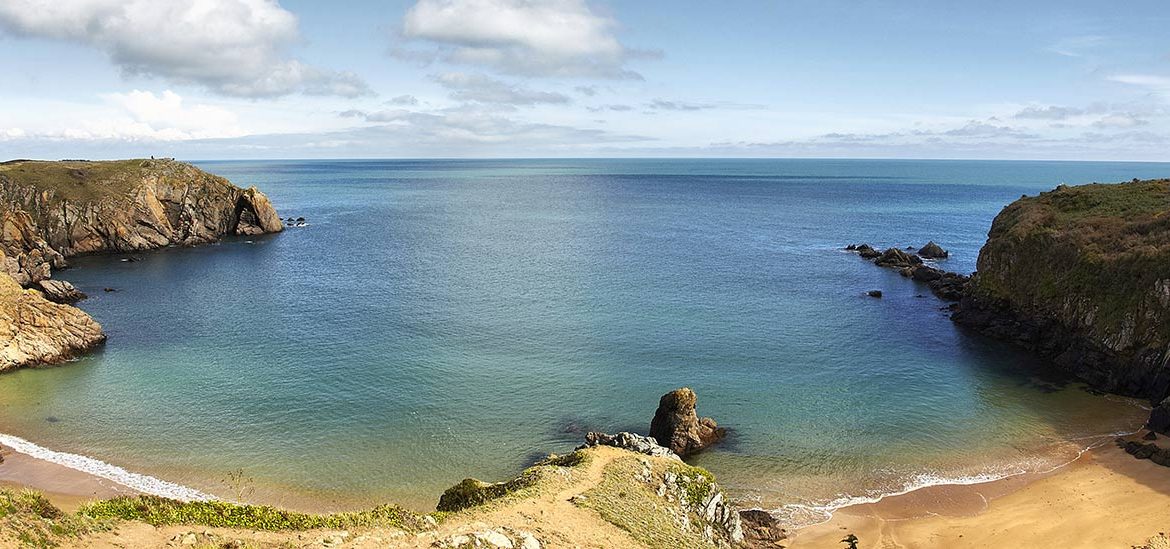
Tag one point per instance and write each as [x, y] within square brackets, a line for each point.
[227, 79]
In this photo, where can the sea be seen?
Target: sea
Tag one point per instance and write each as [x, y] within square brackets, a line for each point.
[440, 319]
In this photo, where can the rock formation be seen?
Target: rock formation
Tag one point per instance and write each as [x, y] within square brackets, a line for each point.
[629, 441]
[1081, 276]
[946, 285]
[53, 210]
[1160, 418]
[678, 427]
[933, 251]
[34, 330]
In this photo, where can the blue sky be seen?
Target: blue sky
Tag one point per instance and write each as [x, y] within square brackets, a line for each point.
[516, 78]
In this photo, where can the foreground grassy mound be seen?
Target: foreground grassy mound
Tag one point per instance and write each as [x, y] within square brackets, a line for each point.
[1082, 275]
[28, 519]
[158, 511]
[474, 493]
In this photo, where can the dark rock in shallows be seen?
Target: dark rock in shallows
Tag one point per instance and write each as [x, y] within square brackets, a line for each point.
[896, 258]
[874, 293]
[109, 289]
[866, 251]
[933, 251]
[677, 426]
[1160, 418]
[761, 529]
[1150, 436]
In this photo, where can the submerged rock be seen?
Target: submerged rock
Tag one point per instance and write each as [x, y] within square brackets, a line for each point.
[677, 426]
[874, 293]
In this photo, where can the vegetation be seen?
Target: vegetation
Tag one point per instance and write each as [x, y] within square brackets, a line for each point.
[473, 493]
[27, 518]
[1090, 253]
[636, 508]
[77, 180]
[159, 511]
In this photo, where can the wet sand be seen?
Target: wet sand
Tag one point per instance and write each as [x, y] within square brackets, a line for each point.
[66, 488]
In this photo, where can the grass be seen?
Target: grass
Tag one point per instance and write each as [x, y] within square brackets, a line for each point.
[27, 518]
[159, 511]
[475, 493]
[632, 505]
[77, 180]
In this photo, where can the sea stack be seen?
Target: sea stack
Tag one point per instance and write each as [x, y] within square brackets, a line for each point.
[677, 426]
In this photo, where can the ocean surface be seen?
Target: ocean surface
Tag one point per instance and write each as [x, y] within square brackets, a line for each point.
[440, 319]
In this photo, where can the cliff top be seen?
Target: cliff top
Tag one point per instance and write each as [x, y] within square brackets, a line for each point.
[86, 180]
[1104, 220]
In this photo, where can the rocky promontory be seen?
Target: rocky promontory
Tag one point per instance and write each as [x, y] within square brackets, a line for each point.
[1081, 276]
[50, 211]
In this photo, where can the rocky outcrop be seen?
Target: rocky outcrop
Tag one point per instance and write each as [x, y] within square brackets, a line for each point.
[761, 530]
[1081, 276]
[53, 210]
[34, 330]
[1160, 418]
[629, 441]
[933, 251]
[677, 426]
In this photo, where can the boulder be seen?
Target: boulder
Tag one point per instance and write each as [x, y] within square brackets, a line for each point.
[933, 251]
[874, 293]
[866, 251]
[60, 291]
[1160, 418]
[677, 426]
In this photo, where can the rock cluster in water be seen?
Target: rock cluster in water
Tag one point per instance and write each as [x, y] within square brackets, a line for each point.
[677, 426]
[944, 284]
[50, 211]
[629, 441]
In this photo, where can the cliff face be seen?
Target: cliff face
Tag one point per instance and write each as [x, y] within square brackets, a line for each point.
[1081, 275]
[52, 210]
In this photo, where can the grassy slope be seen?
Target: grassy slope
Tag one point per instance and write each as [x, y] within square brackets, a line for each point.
[77, 180]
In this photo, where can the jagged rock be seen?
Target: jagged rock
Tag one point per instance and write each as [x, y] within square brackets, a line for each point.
[933, 251]
[896, 258]
[60, 291]
[498, 538]
[629, 441]
[677, 426]
[866, 251]
[1160, 418]
[761, 530]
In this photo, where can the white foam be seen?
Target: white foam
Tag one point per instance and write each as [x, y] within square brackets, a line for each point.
[822, 513]
[142, 483]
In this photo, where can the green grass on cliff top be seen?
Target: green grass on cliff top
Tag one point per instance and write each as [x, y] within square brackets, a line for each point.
[1108, 218]
[78, 180]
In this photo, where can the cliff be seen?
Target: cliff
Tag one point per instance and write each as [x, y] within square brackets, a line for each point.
[1081, 276]
[50, 211]
[53, 210]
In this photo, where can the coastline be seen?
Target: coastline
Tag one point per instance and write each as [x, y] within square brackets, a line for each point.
[1023, 509]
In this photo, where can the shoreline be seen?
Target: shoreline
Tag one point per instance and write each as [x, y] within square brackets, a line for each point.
[69, 480]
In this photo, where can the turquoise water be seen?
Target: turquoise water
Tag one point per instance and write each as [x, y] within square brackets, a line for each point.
[443, 319]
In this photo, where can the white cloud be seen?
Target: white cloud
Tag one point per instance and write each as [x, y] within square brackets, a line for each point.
[132, 116]
[166, 114]
[559, 38]
[233, 47]
[1160, 84]
[484, 89]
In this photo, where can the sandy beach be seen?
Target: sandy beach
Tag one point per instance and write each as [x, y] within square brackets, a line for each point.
[1106, 498]
[66, 488]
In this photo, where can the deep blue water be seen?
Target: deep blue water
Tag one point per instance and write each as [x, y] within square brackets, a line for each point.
[443, 319]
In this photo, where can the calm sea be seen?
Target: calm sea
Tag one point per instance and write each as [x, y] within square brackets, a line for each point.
[443, 319]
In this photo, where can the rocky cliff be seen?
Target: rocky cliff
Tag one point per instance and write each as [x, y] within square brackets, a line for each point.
[53, 210]
[1081, 275]
[50, 211]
